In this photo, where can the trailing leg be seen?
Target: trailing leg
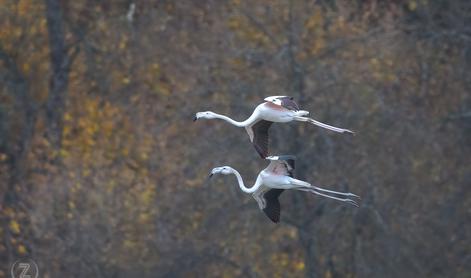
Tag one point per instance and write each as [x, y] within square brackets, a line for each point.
[346, 200]
[326, 126]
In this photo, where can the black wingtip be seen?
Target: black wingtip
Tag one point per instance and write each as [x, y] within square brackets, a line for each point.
[273, 218]
[260, 152]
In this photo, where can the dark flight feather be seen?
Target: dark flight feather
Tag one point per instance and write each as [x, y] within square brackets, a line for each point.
[273, 208]
[289, 103]
[260, 137]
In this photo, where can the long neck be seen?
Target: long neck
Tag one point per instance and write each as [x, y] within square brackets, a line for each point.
[245, 123]
[242, 186]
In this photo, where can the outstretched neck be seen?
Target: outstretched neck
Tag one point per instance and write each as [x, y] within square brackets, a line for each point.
[242, 186]
[245, 123]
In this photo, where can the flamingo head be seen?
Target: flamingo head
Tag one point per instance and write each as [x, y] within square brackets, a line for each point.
[224, 170]
[204, 115]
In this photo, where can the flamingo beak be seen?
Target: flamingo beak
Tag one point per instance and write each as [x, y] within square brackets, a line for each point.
[210, 175]
[195, 118]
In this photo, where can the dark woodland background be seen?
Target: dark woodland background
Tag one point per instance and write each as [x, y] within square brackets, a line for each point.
[102, 171]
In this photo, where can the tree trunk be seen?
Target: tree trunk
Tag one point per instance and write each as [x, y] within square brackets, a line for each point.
[17, 151]
[60, 66]
[307, 240]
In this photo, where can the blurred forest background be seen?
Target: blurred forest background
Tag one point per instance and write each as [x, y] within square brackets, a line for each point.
[102, 171]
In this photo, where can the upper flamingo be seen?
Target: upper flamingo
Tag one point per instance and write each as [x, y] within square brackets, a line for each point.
[276, 109]
[273, 180]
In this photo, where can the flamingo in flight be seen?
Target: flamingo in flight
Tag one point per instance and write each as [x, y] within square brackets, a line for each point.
[274, 179]
[275, 109]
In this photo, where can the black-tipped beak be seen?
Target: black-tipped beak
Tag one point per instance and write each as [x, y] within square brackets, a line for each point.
[210, 175]
[195, 118]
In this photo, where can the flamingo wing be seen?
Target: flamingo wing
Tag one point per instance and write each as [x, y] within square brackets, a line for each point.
[282, 165]
[273, 208]
[258, 134]
[284, 101]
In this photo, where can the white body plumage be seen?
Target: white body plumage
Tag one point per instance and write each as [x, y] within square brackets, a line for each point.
[271, 182]
[277, 109]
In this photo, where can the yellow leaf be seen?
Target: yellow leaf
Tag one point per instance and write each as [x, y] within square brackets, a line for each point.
[86, 172]
[143, 218]
[26, 67]
[412, 5]
[66, 130]
[63, 153]
[23, 8]
[374, 61]
[144, 156]
[300, 266]
[3, 157]
[315, 20]
[234, 23]
[71, 205]
[21, 249]
[14, 227]
[67, 116]
[128, 244]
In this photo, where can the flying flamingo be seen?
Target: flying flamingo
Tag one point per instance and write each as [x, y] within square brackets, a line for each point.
[276, 109]
[274, 179]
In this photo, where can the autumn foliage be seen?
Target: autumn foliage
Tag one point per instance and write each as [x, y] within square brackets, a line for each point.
[103, 173]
